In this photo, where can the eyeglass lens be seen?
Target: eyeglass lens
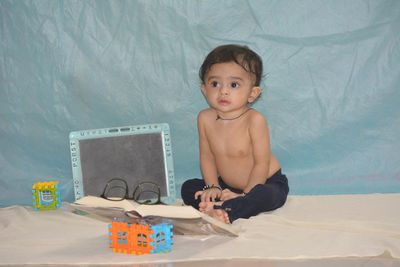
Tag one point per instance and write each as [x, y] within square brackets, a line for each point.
[116, 190]
[147, 193]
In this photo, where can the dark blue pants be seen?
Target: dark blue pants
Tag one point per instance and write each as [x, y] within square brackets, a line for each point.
[263, 197]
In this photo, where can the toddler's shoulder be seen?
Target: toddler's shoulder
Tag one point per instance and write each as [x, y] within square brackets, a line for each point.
[206, 113]
[256, 116]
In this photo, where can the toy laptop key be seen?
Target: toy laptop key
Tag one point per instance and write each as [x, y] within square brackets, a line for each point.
[132, 154]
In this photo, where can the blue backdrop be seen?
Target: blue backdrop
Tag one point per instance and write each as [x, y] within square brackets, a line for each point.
[331, 87]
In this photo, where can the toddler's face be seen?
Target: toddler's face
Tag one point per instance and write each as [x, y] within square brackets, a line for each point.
[228, 85]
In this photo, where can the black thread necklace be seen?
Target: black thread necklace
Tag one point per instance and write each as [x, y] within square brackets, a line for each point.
[231, 119]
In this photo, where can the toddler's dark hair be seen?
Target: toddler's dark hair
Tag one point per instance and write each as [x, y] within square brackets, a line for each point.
[241, 55]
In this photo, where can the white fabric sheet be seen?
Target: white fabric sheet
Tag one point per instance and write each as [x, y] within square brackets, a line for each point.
[307, 227]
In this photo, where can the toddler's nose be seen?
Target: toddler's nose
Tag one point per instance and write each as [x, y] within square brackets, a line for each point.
[224, 90]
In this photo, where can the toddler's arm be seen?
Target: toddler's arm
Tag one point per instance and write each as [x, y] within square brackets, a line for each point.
[207, 164]
[259, 134]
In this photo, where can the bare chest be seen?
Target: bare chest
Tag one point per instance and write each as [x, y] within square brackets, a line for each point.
[230, 141]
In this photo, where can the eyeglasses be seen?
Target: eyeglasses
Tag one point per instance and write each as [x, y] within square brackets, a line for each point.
[145, 192]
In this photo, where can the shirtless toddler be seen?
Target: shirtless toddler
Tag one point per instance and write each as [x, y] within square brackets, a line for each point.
[241, 176]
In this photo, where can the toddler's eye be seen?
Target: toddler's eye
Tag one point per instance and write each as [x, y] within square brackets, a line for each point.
[214, 84]
[234, 85]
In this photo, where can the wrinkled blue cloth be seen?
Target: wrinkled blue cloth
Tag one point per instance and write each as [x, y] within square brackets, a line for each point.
[330, 88]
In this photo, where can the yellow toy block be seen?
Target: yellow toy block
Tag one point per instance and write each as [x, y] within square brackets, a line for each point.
[46, 196]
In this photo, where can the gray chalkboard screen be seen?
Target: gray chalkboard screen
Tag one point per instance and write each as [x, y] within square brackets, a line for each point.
[133, 153]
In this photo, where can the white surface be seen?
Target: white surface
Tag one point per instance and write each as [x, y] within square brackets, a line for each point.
[307, 227]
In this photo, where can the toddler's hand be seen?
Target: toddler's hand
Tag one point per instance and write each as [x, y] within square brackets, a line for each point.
[227, 194]
[208, 195]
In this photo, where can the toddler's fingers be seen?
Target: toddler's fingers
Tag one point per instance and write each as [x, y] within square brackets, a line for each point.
[203, 197]
[197, 194]
[210, 197]
[223, 196]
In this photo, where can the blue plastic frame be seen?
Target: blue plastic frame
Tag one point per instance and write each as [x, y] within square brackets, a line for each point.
[162, 128]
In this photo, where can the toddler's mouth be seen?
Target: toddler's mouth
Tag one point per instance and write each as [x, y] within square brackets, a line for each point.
[223, 102]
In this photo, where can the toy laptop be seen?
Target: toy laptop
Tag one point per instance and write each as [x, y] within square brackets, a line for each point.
[136, 154]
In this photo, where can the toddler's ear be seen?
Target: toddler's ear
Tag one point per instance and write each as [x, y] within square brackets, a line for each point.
[255, 93]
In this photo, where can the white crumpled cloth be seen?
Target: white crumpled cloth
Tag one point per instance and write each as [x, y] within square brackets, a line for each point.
[307, 227]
